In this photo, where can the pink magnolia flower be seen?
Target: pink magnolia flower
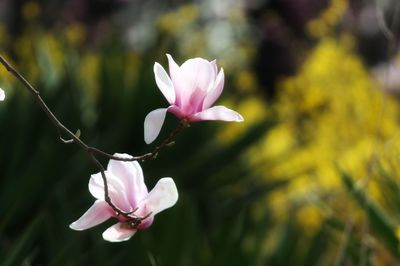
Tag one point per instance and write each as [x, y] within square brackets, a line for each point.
[191, 89]
[2, 95]
[128, 192]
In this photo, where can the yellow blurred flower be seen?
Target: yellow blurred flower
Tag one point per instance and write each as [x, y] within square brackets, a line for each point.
[331, 115]
[177, 20]
[325, 22]
[75, 34]
[310, 217]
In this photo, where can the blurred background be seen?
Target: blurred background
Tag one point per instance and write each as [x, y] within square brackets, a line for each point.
[310, 178]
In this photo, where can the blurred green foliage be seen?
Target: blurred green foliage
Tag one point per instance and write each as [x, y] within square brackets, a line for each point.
[309, 179]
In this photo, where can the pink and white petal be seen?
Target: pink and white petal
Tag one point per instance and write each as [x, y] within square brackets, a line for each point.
[174, 69]
[131, 174]
[164, 195]
[96, 185]
[99, 212]
[175, 74]
[118, 232]
[214, 93]
[214, 68]
[217, 113]
[199, 74]
[153, 123]
[195, 103]
[182, 84]
[116, 190]
[175, 110]
[128, 172]
[195, 74]
[164, 83]
[2, 95]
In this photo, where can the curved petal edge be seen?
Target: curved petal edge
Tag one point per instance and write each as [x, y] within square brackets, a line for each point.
[153, 123]
[118, 233]
[163, 196]
[164, 83]
[98, 213]
[218, 113]
[215, 91]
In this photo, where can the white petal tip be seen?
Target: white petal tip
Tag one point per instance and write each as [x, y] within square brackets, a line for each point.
[118, 233]
[96, 214]
[148, 140]
[73, 227]
[163, 196]
[171, 190]
[239, 118]
[218, 113]
[2, 95]
[164, 83]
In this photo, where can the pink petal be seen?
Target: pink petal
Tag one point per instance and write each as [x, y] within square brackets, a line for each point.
[98, 213]
[217, 113]
[195, 103]
[131, 175]
[153, 123]
[118, 232]
[173, 67]
[199, 73]
[96, 185]
[175, 74]
[214, 93]
[164, 83]
[2, 95]
[195, 76]
[176, 111]
[164, 195]
[117, 190]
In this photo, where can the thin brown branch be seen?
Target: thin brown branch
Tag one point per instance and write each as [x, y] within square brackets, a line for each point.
[169, 141]
[62, 130]
[36, 95]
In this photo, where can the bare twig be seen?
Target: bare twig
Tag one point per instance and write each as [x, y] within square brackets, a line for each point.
[131, 219]
[169, 141]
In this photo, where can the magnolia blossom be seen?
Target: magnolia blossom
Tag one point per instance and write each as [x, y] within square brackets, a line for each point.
[191, 89]
[2, 95]
[128, 192]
